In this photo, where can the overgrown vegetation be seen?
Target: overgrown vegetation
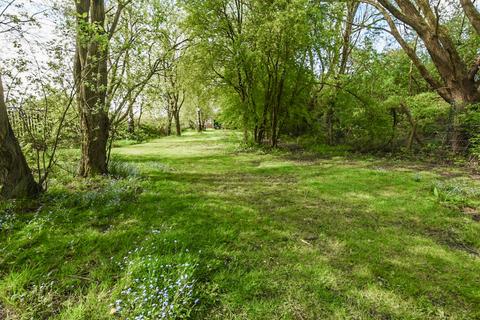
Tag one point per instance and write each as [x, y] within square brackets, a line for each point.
[323, 72]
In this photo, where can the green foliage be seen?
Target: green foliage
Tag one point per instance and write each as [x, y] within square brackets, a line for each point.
[431, 114]
[470, 120]
[146, 131]
[261, 63]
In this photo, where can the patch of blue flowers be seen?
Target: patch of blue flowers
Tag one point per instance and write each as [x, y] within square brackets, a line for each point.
[158, 286]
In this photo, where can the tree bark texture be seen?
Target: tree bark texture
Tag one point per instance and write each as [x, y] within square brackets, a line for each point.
[16, 178]
[91, 83]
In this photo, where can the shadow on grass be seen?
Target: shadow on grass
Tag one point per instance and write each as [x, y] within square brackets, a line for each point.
[274, 238]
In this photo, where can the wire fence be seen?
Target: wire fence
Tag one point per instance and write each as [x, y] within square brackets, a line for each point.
[26, 124]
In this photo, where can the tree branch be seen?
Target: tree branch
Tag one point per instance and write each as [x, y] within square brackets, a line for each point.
[434, 83]
[472, 14]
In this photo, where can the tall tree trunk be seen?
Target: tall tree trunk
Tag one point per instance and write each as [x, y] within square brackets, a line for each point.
[458, 135]
[329, 121]
[169, 119]
[263, 125]
[274, 124]
[199, 119]
[346, 50]
[16, 178]
[177, 123]
[131, 119]
[91, 80]
[140, 113]
[277, 104]
[352, 7]
[95, 130]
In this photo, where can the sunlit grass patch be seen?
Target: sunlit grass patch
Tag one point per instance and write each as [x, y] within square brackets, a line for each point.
[383, 303]
[269, 236]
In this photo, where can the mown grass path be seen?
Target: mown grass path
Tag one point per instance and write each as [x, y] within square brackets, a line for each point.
[276, 236]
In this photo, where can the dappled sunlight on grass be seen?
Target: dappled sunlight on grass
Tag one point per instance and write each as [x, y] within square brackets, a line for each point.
[271, 236]
[382, 302]
[433, 252]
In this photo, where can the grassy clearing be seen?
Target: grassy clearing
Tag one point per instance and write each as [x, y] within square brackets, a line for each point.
[202, 229]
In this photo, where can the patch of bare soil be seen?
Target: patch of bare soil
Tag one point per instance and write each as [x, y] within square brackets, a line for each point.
[450, 240]
[292, 147]
[446, 172]
[303, 157]
[7, 313]
[4, 314]
[472, 212]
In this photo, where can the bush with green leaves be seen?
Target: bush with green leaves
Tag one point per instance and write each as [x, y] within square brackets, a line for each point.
[148, 130]
[471, 122]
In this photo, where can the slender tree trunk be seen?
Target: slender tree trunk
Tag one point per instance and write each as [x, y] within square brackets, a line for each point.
[169, 119]
[177, 123]
[245, 134]
[411, 137]
[273, 136]
[351, 10]
[329, 121]
[140, 116]
[91, 80]
[199, 119]
[263, 125]
[277, 104]
[131, 119]
[16, 178]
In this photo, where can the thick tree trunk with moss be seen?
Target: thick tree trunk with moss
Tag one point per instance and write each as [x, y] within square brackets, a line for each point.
[91, 81]
[16, 179]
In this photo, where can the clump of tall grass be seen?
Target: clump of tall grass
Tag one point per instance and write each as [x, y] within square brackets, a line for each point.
[460, 192]
[123, 169]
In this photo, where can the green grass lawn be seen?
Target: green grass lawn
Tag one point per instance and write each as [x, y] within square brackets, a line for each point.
[237, 234]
